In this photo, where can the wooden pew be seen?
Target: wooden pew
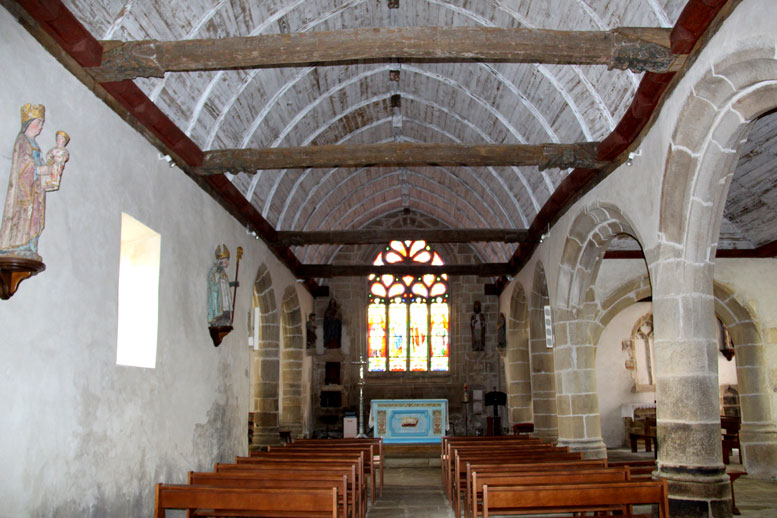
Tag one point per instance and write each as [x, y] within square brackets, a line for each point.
[460, 454]
[304, 469]
[571, 498]
[487, 449]
[260, 480]
[639, 468]
[546, 477]
[322, 460]
[460, 470]
[331, 450]
[648, 434]
[448, 441]
[225, 501]
[375, 441]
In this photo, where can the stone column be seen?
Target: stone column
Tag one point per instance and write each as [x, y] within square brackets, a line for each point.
[758, 435]
[687, 397]
[519, 398]
[266, 364]
[291, 392]
[579, 426]
[543, 383]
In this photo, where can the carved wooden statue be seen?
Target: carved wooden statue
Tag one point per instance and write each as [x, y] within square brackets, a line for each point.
[477, 324]
[25, 203]
[221, 303]
[219, 296]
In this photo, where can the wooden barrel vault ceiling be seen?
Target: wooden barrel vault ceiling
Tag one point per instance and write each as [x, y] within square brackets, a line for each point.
[314, 120]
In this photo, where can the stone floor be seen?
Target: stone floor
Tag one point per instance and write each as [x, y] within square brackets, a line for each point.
[417, 492]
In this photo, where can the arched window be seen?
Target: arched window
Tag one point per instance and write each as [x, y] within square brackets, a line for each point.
[407, 319]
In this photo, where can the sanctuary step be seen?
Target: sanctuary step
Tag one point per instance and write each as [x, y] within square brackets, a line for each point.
[412, 455]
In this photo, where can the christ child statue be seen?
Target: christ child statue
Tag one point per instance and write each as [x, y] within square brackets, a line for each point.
[56, 157]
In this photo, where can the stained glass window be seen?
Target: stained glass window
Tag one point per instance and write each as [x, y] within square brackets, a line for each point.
[407, 319]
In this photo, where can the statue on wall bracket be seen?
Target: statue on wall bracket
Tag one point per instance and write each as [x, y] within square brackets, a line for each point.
[32, 176]
[221, 303]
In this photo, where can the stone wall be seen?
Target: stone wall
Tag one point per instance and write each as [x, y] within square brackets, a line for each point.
[478, 370]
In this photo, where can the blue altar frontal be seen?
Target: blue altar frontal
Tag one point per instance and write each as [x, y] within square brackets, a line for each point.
[409, 420]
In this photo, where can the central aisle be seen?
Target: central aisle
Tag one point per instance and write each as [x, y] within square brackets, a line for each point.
[412, 492]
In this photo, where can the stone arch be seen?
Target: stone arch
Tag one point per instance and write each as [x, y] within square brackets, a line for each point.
[575, 326]
[543, 383]
[292, 354]
[759, 433]
[718, 113]
[758, 436]
[264, 360]
[705, 145]
[519, 400]
[622, 297]
[589, 236]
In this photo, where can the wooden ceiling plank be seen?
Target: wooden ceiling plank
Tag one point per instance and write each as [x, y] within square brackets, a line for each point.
[383, 236]
[545, 156]
[637, 49]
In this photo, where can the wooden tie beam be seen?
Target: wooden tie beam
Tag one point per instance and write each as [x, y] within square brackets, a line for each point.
[636, 49]
[400, 154]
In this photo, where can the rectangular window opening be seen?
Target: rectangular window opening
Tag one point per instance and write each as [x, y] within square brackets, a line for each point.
[138, 294]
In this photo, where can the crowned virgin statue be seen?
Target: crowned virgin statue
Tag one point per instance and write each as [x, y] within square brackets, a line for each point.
[31, 177]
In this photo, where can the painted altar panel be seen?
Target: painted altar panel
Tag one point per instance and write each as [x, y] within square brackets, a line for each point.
[409, 420]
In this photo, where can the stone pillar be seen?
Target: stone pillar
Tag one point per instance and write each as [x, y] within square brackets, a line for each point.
[687, 397]
[519, 398]
[579, 426]
[291, 392]
[266, 365]
[758, 435]
[543, 383]
[291, 365]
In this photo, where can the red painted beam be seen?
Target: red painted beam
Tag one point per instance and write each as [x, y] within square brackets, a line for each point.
[692, 23]
[67, 31]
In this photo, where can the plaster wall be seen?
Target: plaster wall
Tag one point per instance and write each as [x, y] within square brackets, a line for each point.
[614, 273]
[614, 381]
[81, 435]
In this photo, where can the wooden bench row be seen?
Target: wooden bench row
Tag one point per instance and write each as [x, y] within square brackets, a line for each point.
[319, 480]
[505, 478]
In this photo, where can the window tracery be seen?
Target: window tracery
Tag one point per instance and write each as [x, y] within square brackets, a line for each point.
[407, 317]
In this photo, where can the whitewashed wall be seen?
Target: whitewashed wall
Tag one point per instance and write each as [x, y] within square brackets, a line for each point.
[82, 436]
[614, 381]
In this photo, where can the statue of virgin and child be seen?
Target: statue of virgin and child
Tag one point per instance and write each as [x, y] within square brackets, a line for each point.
[32, 176]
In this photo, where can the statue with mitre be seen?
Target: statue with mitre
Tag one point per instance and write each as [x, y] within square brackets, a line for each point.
[219, 296]
[221, 304]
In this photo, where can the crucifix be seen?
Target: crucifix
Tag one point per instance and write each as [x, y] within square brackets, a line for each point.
[361, 363]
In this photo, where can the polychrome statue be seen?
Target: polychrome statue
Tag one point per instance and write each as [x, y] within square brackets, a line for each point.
[219, 296]
[31, 177]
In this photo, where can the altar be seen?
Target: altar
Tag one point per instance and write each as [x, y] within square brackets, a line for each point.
[409, 420]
